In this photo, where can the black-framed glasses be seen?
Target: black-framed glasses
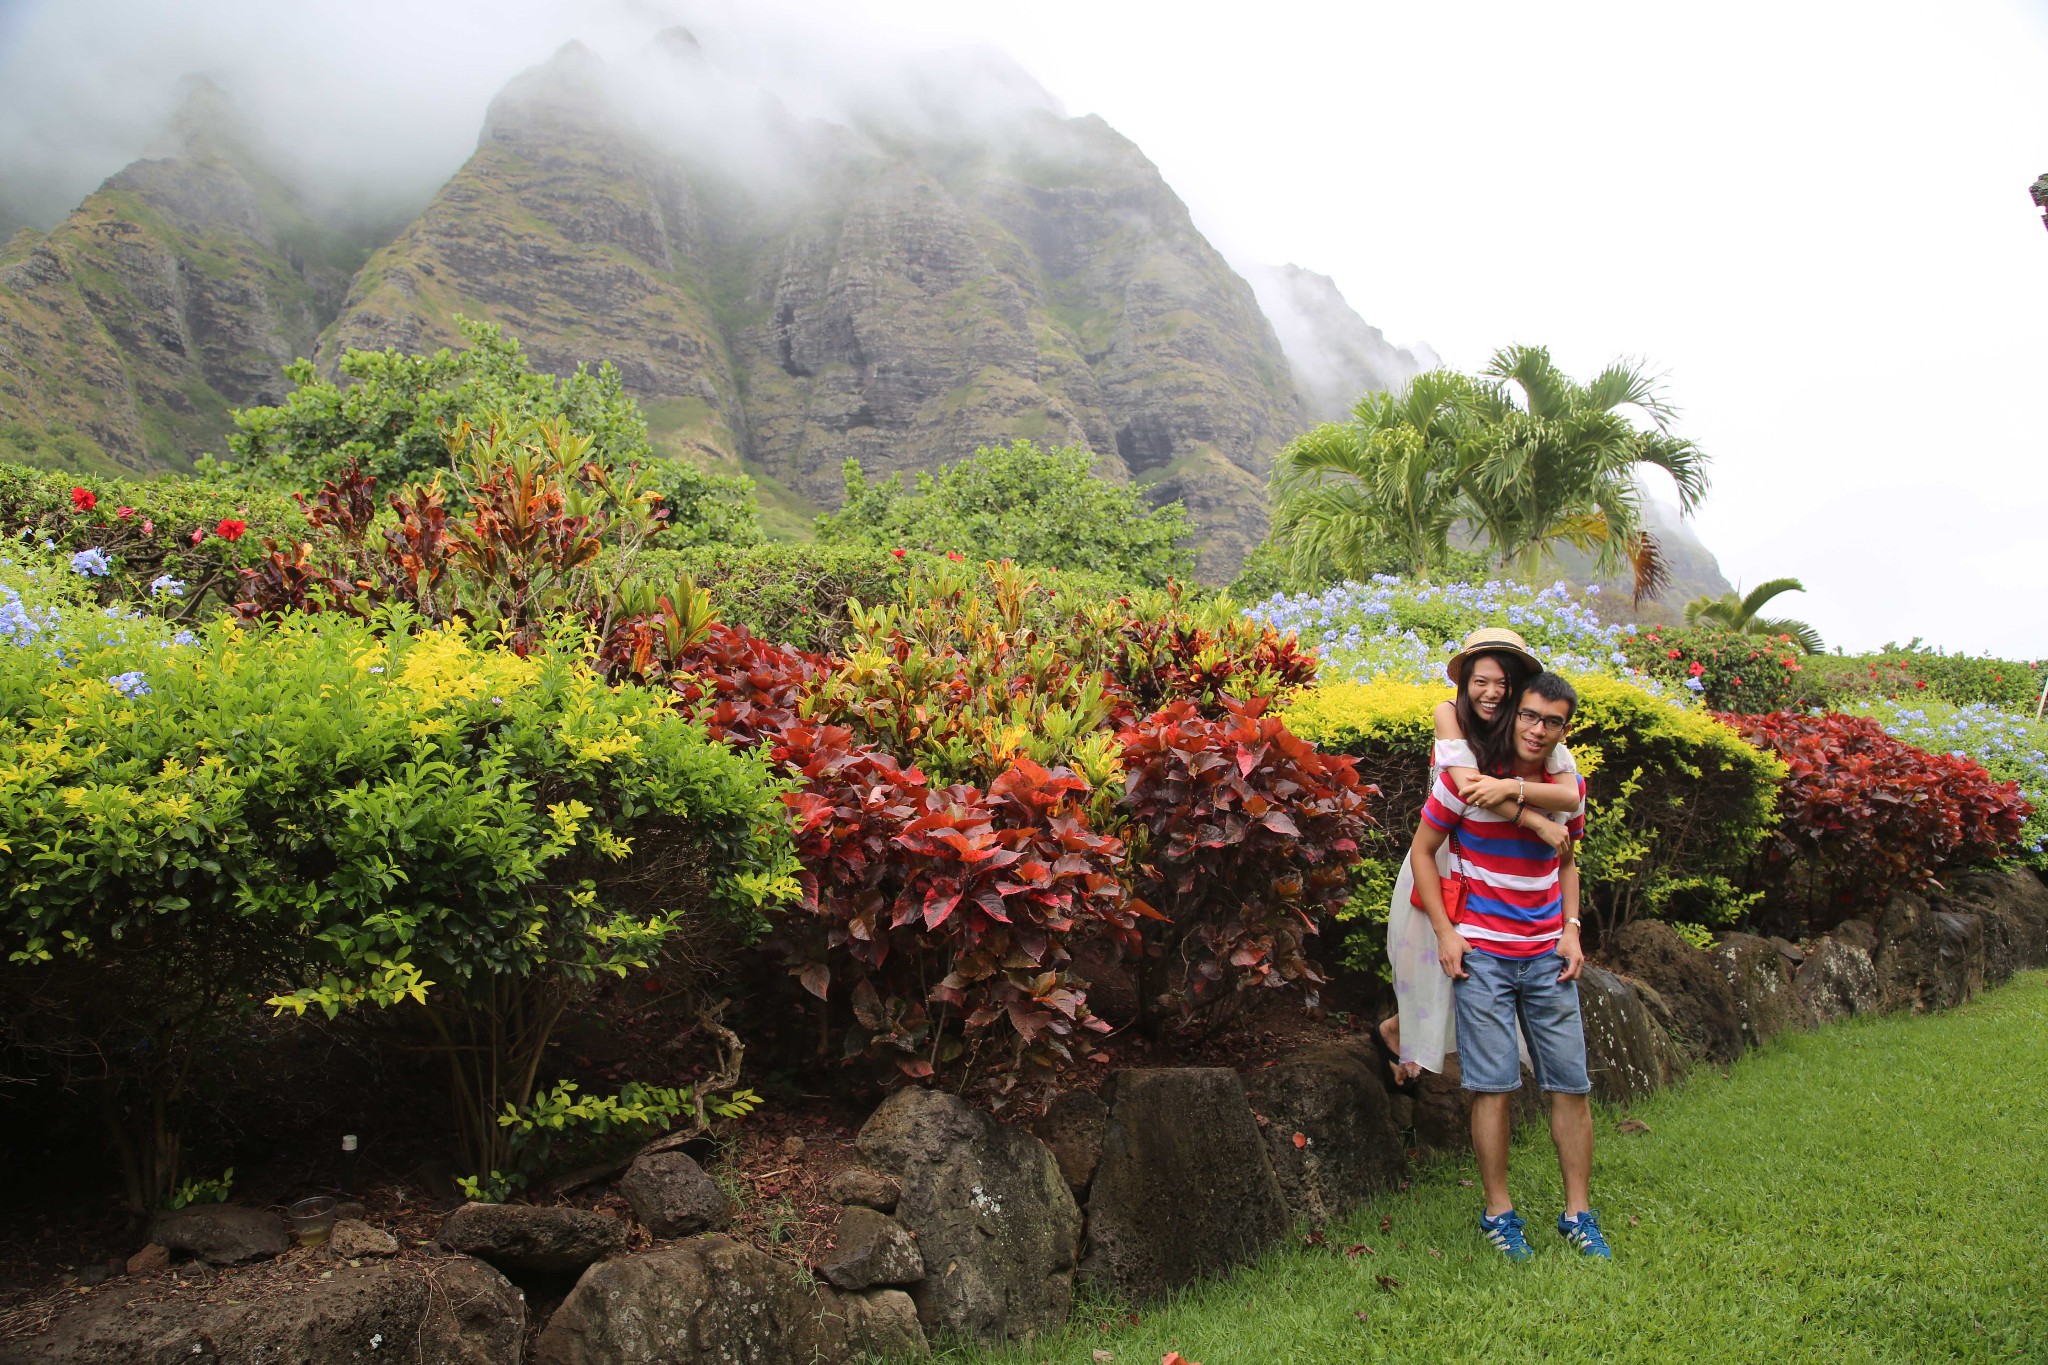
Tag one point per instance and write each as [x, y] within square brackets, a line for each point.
[1552, 725]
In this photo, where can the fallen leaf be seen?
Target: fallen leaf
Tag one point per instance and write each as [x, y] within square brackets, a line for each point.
[1300, 1140]
[1315, 1239]
[1176, 1358]
[1386, 1222]
[1631, 1126]
[1434, 1252]
[1466, 1183]
[1633, 1220]
[1102, 1357]
[1360, 1315]
[1131, 1318]
[1357, 1249]
[1388, 1282]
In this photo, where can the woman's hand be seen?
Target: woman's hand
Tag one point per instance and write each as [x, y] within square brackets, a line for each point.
[1480, 790]
[1548, 830]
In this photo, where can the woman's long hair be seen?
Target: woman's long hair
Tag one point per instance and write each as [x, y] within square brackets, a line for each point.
[1493, 743]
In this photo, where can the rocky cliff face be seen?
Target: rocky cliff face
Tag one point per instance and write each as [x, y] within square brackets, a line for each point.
[896, 285]
[1336, 356]
[893, 295]
[178, 289]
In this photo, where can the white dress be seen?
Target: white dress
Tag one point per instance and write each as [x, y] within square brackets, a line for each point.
[1428, 1019]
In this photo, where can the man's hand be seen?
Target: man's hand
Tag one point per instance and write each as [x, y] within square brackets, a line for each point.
[1574, 956]
[1450, 955]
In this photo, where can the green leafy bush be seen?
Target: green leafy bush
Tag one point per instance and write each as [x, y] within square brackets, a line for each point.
[1729, 670]
[1678, 802]
[1912, 673]
[1018, 502]
[195, 533]
[394, 418]
[798, 594]
[331, 813]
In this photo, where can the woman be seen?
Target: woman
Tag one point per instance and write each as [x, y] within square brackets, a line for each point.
[1475, 738]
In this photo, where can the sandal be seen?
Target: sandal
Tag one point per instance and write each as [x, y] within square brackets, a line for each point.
[1392, 1059]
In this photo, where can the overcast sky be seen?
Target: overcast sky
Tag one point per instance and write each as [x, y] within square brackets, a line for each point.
[1812, 218]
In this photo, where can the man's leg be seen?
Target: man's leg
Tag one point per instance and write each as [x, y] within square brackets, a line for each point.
[1571, 1128]
[1488, 1066]
[1490, 1136]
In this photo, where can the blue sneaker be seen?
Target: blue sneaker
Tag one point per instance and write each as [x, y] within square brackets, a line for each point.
[1505, 1232]
[1583, 1232]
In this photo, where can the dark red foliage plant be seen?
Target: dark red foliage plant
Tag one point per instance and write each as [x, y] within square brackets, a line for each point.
[946, 910]
[1861, 813]
[1248, 834]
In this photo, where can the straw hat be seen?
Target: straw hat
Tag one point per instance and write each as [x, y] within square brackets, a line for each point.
[1491, 640]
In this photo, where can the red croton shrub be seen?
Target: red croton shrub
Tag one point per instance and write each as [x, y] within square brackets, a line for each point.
[1862, 813]
[930, 901]
[1160, 660]
[1249, 833]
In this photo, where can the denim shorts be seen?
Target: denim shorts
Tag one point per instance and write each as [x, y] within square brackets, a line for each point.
[1495, 994]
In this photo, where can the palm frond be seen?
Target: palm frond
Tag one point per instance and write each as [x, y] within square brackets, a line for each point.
[1764, 592]
[1652, 570]
[1801, 634]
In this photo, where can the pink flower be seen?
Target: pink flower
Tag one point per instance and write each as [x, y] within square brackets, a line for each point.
[198, 534]
[124, 512]
[148, 527]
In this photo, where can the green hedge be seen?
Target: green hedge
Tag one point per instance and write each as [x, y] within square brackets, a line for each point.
[1911, 674]
[797, 594]
[1678, 802]
[155, 537]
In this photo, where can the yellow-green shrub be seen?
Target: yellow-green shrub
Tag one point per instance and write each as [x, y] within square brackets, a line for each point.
[1678, 802]
[328, 813]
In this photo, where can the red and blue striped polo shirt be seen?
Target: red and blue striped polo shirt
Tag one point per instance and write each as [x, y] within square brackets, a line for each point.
[1513, 905]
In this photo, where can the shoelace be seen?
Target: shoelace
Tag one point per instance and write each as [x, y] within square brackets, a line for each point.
[1585, 1233]
[1507, 1234]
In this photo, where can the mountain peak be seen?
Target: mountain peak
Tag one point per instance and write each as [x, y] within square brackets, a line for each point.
[1337, 357]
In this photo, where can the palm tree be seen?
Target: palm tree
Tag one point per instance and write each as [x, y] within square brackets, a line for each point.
[1731, 612]
[1392, 476]
[1559, 466]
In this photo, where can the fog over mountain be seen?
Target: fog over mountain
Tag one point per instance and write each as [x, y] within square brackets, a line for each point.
[793, 259]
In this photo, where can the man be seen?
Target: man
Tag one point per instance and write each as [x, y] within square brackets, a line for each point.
[1514, 956]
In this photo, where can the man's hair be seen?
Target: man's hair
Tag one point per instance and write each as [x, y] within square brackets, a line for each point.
[1550, 687]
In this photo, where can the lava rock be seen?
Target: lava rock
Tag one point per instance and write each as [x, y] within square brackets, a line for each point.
[713, 1301]
[1185, 1188]
[153, 1259]
[2013, 907]
[452, 1311]
[993, 1217]
[1928, 959]
[352, 1239]
[1761, 982]
[869, 1249]
[221, 1234]
[1348, 1149]
[533, 1239]
[1071, 1129]
[1704, 1020]
[868, 1188]
[1628, 1052]
[1838, 978]
[673, 1197]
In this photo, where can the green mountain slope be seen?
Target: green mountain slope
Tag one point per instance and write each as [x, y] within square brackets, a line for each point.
[177, 290]
[893, 297]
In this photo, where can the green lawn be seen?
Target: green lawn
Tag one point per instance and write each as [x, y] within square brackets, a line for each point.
[1875, 1191]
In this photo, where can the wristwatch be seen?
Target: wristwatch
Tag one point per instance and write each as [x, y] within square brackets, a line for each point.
[1573, 921]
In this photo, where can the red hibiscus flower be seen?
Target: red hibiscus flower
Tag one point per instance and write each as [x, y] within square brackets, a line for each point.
[1673, 654]
[1697, 668]
[955, 556]
[897, 553]
[84, 499]
[230, 529]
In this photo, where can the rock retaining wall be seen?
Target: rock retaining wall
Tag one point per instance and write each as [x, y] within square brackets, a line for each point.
[960, 1225]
